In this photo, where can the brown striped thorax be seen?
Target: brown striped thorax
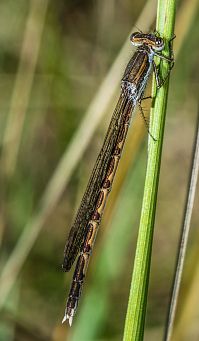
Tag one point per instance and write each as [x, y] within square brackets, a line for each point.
[139, 67]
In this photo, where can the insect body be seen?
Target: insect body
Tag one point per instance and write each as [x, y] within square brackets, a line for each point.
[85, 227]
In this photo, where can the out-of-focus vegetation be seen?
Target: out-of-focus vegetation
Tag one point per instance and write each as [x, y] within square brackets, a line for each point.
[53, 58]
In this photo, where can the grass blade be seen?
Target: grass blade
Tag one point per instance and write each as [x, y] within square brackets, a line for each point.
[184, 236]
[135, 318]
[23, 85]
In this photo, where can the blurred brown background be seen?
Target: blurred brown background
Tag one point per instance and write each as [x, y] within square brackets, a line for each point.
[54, 57]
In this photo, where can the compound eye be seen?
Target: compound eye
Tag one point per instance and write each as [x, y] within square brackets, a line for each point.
[158, 42]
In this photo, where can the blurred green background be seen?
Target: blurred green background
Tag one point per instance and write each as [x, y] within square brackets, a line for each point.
[54, 57]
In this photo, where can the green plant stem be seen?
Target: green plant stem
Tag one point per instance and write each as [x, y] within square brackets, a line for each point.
[136, 311]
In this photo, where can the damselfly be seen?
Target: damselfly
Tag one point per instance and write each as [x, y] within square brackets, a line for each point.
[84, 230]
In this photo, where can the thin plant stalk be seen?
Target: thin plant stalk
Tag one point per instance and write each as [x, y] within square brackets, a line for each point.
[136, 311]
[23, 85]
[184, 236]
